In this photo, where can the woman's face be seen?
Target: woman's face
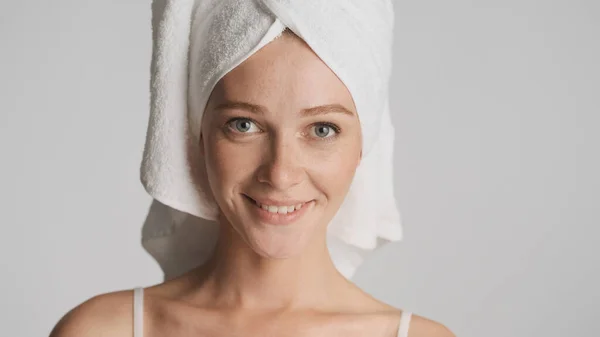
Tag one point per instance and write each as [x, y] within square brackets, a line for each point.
[281, 141]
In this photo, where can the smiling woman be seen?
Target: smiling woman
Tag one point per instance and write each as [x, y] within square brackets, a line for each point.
[270, 149]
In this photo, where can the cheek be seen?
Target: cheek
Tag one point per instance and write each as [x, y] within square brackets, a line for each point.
[333, 171]
[228, 163]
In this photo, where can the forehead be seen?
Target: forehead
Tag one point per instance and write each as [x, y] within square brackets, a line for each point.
[285, 73]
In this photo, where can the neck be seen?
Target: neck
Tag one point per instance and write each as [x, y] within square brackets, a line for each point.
[237, 277]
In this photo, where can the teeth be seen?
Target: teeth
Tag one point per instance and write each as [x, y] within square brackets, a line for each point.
[280, 209]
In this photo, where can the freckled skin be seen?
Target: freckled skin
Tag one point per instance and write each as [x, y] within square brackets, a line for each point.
[281, 156]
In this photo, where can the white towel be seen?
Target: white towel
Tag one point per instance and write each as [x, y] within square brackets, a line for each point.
[195, 43]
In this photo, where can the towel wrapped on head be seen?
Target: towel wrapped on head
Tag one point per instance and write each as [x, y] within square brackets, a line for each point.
[195, 43]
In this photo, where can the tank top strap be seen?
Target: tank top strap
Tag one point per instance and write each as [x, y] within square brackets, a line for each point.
[138, 312]
[404, 324]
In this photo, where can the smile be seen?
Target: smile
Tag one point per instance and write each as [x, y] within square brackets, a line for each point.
[279, 209]
[279, 214]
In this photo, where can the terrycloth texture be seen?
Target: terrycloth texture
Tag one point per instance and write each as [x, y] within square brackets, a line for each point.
[195, 43]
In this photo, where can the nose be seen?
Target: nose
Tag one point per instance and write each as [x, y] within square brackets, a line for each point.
[282, 167]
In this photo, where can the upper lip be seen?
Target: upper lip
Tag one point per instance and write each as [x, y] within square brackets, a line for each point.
[276, 202]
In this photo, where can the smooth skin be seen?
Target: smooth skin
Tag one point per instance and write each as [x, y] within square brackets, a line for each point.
[280, 126]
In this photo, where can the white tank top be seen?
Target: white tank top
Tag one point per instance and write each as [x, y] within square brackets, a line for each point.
[138, 316]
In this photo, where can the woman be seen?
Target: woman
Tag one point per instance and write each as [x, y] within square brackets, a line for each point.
[281, 140]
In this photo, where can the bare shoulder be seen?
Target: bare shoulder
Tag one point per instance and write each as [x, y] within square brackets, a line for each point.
[103, 315]
[424, 327]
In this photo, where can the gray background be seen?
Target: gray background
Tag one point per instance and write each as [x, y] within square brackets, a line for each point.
[497, 159]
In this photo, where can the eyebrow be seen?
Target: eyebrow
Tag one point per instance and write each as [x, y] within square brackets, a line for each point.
[259, 109]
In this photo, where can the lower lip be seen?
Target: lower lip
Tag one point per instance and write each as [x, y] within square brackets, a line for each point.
[276, 218]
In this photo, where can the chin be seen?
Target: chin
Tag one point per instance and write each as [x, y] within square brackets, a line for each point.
[275, 243]
[278, 241]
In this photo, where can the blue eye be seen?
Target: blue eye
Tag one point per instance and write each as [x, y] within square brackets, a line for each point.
[243, 125]
[324, 130]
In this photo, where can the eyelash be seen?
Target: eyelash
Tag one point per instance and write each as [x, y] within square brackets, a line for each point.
[230, 122]
[335, 128]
